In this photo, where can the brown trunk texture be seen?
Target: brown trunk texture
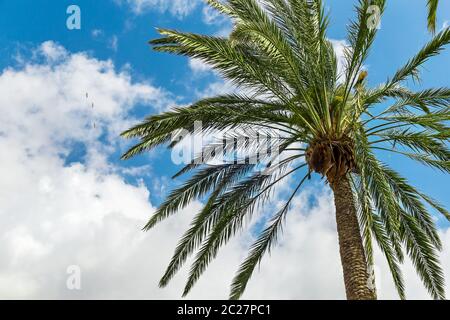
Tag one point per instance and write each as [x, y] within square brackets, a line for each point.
[356, 276]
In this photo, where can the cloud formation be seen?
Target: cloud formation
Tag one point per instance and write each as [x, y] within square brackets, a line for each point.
[55, 213]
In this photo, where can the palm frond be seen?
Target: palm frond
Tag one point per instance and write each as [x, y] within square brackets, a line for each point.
[220, 6]
[200, 184]
[380, 192]
[235, 206]
[373, 227]
[419, 141]
[432, 12]
[360, 39]
[217, 113]
[411, 68]
[423, 255]
[405, 219]
[263, 244]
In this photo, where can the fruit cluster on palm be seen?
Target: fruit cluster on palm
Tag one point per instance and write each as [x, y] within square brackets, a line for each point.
[332, 123]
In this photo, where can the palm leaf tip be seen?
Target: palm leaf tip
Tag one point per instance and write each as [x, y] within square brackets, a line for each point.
[164, 281]
[432, 14]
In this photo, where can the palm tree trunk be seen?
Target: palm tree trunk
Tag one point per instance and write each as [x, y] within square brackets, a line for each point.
[356, 275]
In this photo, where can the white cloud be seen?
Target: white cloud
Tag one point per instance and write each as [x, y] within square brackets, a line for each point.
[178, 8]
[339, 48]
[52, 51]
[212, 16]
[219, 87]
[198, 66]
[56, 214]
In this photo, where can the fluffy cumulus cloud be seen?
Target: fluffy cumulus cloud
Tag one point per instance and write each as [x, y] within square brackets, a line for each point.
[57, 213]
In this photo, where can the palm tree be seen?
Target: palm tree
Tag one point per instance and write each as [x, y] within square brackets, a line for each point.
[432, 11]
[329, 122]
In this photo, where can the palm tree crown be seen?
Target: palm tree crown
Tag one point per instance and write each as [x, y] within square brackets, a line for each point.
[330, 122]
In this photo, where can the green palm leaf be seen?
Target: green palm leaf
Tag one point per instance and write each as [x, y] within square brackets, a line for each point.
[432, 12]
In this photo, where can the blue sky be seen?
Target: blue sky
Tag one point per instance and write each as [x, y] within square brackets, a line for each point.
[118, 31]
